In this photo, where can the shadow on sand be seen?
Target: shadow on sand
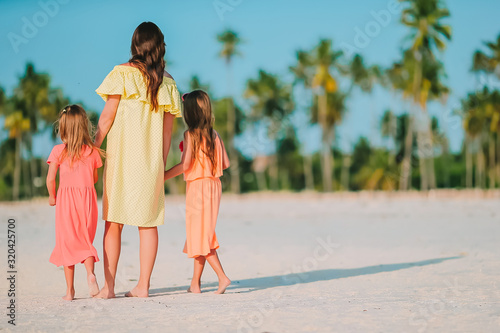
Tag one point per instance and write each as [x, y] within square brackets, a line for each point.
[260, 283]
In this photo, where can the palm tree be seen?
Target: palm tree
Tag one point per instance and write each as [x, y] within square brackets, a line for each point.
[303, 73]
[365, 77]
[474, 123]
[428, 33]
[17, 125]
[492, 115]
[400, 77]
[271, 100]
[195, 84]
[32, 96]
[332, 116]
[388, 129]
[490, 65]
[324, 58]
[230, 41]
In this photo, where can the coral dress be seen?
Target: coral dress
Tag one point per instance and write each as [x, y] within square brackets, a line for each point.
[133, 173]
[203, 194]
[76, 207]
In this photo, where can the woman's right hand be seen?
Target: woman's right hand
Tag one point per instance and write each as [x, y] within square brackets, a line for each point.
[52, 201]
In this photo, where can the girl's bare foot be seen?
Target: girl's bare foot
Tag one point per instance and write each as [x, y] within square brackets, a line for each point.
[105, 293]
[93, 287]
[223, 284]
[70, 295]
[194, 288]
[136, 292]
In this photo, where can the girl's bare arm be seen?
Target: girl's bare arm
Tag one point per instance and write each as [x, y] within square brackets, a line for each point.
[51, 183]
[185, 163]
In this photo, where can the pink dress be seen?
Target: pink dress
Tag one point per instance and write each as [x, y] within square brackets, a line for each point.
[76, 207]
[203, 194]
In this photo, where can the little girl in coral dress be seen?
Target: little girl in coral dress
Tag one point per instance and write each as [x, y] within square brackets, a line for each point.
[203, 159]
[77, 160]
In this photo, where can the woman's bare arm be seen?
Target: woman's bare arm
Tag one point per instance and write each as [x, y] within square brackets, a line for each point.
[168, 123]
[106, 119]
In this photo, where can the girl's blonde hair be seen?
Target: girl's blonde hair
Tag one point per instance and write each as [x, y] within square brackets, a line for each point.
[200, 120]
[75, 130]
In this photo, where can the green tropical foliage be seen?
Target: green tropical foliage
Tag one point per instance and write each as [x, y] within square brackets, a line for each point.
[415, 150]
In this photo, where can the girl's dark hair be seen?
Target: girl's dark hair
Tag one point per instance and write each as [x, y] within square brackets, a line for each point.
[199, 119]
[148, 51]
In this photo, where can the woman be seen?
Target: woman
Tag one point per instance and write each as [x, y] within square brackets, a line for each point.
[142, 101]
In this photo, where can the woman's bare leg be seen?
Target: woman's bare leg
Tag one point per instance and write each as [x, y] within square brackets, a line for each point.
[112, 244]
[224, 282]
[91, 280]
[148, 249]
[199, 264]
[69, 274]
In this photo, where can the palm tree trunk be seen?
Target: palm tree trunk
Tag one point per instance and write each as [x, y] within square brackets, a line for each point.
[26, 179]
[17, 169]
[172, 186]
[446, 161]
[498, 157]
[274, 173]
[32, 164]
[421, 161]
[285, 179]
[491, 160]
[231, 124]
[405, 180]
[346, 164]
[430, 158]
[326, 145]
[261, 180]
[468, 163]
[480, 168]
[308, 172]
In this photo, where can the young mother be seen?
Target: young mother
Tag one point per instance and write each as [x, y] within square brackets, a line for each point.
[142, 101]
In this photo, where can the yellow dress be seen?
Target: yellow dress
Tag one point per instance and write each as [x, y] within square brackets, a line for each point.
[133, 173]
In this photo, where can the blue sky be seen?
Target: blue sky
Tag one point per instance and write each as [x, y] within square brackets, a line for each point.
[81, 41]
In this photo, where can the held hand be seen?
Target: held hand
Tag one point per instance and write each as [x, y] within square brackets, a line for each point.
[165, 176]
[52, 201]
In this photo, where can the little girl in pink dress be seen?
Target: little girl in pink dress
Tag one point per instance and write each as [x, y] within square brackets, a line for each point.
[76, 201]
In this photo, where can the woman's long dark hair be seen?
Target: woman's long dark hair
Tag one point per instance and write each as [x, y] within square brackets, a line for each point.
[200, 120]
[148, 51]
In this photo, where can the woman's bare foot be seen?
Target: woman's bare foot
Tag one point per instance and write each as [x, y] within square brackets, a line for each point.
[223, 284]
[105, 293]
[194, 288]
[93, 286]
[136, 292]
[70, 295]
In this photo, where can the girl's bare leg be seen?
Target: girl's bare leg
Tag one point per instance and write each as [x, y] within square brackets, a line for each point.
[199, 264]
[91, 280]
[148, 249]
[69, 274]
[224, 282]
[112, 243]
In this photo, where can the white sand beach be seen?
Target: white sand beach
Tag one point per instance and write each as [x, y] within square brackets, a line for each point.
[299, 263]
